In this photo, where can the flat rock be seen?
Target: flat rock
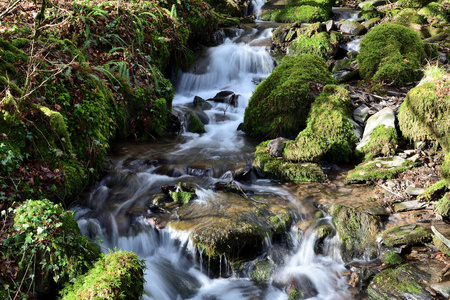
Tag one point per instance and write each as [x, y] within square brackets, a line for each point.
[414, 191]
[351, 27]
[410, 205]
[373, 2]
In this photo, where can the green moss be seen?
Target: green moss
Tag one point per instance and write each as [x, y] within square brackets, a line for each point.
[383, 141]
[118, 275]
[276, 168]
[396, 281]
[357, 232]
[20, 42]
[46, 235]
[281, 102]
[435, 11]
[391, 258]
[319, 44]
[443, 206]
[434, 192]
[181, 197]
[408, 17]
[424, 115]
[409, 235]
[385, 168]
[391, 54]
[445, 168]
[440, 245]
[368, 11]
[57, 124]
[300, 11]
[262, 271]
[329, 132]
[195, 125]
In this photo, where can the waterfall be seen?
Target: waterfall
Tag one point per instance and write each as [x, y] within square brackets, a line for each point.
[119, 207]
[255, 7]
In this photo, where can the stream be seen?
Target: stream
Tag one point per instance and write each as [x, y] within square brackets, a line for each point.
[117, 209]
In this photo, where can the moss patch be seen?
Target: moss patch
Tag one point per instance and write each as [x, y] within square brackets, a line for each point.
[383, 141]
[443, 206]
[391, 54]
[434, 192]
[391, 282]
[118, 275]
[300, 11]
[380, 168]
[329, 132]
[319, 44]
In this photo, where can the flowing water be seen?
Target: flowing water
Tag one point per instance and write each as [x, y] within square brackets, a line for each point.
[117, 210]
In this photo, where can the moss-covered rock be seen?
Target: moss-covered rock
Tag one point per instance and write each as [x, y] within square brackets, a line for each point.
[379, 168]
[298, 11]
[368, 11]
[391, 54]
[278, 168]
[329, 132]
[407, 17]
[434, 192]
[424, 115]
[281, 102]
[194, 124]
[319, 44]
[118, 275]
[392, 284]
[46, 235]
[435, 11]
[391, 258]
[357, 231]
[443, 206]
[405, 235]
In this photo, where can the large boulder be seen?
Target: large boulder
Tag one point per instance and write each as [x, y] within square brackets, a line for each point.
[280, 103]
[318, 43]
[329, 132]
[425, 113]
[391, 54]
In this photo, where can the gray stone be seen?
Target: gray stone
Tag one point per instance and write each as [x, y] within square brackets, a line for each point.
[409, 205]
[384, 117]
[329, 25]
[357, 129]
[276, 146]
[373, 2]
[361, 113]
[201, 103]
[442, 288]
[412, 190]
[351, 27]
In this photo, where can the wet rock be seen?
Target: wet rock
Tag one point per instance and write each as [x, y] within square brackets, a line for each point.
[299, 287]
[351, 27]
[357, 231]
[201, 103]
[357, 130]
[361, 113]
[397, 283]
[276, 146]
[227, 97]
[405, 235]
[410, 205]
[375, 210]
[200, 169]
[194, 124]
[243, 174]
[202, 116]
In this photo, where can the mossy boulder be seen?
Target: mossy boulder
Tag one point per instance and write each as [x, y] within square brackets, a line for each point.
[280, 169]
[435, 11]
[434, 192]
[425, 113]
[369, 11]
[194, 124]
[393, 284]
[379, 168]
[280, 104]
[407, 17]
[391, 54]
[319, 44]
[329, 132]
[391, 258]
[405, 235]
[46, 235]
[298, 11]
[236, 230]
[357, 231]
[380, 136]
[118, 275]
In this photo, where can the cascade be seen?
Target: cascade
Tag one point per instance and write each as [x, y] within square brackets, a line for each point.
[117, 209]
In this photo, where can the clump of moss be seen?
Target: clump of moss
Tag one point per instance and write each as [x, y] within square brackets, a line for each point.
[368, 11]
[408, 17]
[276, 168]
[300, 11]
[319, 44]
[424, 115]
[46, 235]
[383, 141]
[410, 234]
[329, 132]
[118, 275]
[391, 258]
[391, 54]
[280, 103]
[393, 282]
[435, 11]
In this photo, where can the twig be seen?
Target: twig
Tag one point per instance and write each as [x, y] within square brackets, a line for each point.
[8, 9]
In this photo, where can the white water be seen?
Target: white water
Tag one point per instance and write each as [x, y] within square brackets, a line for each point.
[255, 7]
[173, 270]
